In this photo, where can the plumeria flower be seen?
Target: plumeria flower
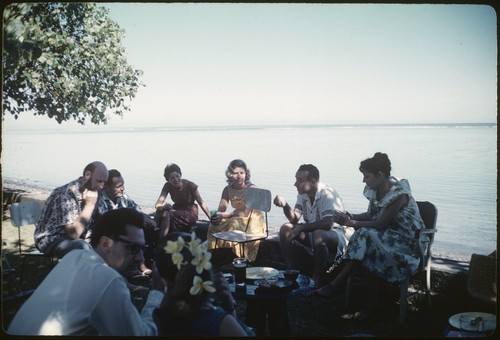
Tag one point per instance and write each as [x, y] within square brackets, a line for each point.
[201, 259]
[178, 260]
[175, 246]
[194, 243]
[199, 286]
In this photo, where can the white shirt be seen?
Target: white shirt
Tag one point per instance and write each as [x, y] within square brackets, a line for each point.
[326, 201]
[82, 295]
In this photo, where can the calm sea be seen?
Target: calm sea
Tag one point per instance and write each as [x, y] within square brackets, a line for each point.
[452, 166]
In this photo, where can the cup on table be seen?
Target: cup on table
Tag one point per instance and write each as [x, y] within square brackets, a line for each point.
[240, 270]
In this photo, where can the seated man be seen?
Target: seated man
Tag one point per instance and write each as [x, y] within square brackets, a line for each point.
[85, 293]
[113, 197]
[316, 203]
[68, 212]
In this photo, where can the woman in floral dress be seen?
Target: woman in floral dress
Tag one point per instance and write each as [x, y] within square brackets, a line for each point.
[384, 243]
[238, 179]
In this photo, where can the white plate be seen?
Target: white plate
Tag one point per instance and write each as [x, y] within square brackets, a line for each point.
[259, 273]
[489, 321]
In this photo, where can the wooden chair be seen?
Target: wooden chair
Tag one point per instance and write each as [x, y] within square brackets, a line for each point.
[255, 199]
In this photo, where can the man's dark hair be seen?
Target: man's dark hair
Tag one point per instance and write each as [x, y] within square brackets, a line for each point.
[113, 224]
[313, 172]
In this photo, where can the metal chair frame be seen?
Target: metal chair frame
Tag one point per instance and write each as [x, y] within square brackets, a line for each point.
[425, 237]
[25, 213]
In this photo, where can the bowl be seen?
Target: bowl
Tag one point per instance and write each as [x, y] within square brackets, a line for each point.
[291, 274]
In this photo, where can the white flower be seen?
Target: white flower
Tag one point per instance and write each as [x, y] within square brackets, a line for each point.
[194, 243]
[175, 246]
[201, 259]
[178, 260]
[199, 286]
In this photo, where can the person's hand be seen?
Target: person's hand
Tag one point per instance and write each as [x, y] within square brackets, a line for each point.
[295, 233]
[223, 292]
[90, 197]
[279, 201]
[340, 217]
[216, 218]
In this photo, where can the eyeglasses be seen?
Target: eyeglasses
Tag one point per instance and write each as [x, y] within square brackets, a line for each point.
[133, 247]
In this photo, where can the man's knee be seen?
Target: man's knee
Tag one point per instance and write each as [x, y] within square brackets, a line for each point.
[285, 229]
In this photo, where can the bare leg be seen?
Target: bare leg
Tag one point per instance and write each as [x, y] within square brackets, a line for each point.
[324, 242]
[165, 224]
[287, 248]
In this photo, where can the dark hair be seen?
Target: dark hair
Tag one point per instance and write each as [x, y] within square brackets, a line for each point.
[237, 163]
[179, 300]
[113, 224]
[313, 172]
[172, 167]
[379, 162]
[112, 174]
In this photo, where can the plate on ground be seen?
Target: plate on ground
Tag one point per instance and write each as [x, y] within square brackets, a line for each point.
[259, 273]
[489, 321]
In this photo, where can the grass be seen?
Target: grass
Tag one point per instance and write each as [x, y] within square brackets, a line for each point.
[309, 316]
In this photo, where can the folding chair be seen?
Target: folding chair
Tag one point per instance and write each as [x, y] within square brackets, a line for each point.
[22, 214]
[255, 199]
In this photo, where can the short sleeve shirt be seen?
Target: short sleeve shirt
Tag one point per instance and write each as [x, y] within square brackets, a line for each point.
[325, 202]
[62, 207]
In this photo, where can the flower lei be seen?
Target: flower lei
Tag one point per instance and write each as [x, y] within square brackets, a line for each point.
[201, 260]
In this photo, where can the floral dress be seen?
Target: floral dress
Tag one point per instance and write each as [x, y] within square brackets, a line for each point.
[256, 226]
[390, 253]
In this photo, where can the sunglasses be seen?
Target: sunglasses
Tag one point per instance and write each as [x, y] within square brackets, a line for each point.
[133, 247]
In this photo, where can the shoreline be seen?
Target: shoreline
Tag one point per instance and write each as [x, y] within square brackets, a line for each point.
[39, 192]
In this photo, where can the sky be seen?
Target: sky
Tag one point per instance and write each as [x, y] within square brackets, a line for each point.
[251, 64]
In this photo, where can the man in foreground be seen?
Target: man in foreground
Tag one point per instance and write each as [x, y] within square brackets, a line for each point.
[316, 203]
[86, 293]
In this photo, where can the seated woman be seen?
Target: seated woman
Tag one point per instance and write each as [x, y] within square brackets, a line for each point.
[238, 179]
[184, 265]
[184, 213]
[384, 243]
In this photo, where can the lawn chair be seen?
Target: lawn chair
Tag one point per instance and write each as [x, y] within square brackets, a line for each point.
[22, 214]
[428, 212]
[255, 199]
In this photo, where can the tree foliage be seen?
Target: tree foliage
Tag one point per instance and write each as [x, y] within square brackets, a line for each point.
[65, 60]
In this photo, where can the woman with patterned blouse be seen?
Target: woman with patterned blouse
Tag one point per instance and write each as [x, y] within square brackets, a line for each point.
[384, 243]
